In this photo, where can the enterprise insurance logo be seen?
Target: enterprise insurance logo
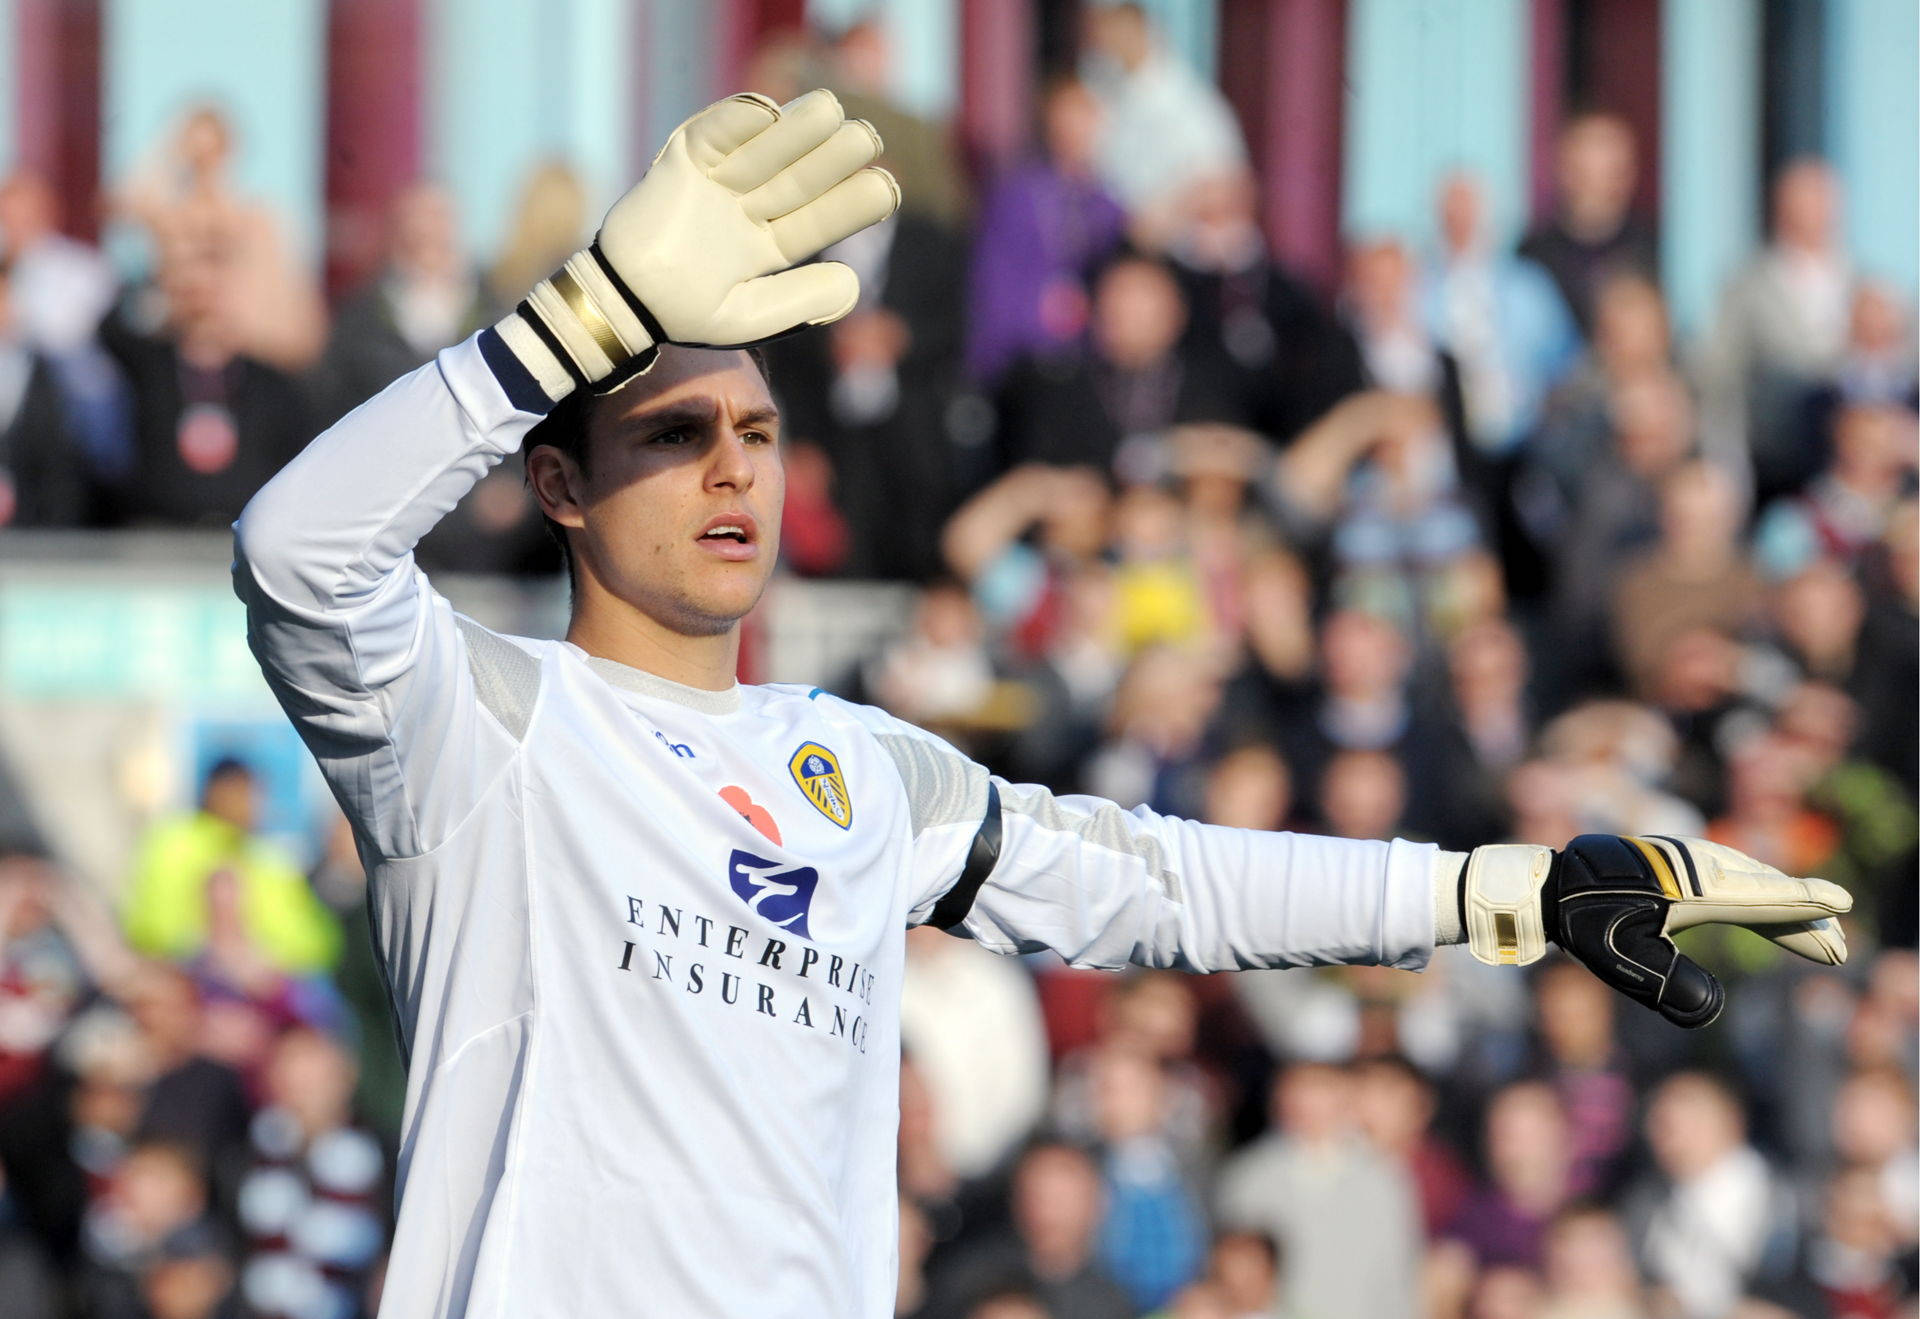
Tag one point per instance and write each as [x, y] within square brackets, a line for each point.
[782, 897]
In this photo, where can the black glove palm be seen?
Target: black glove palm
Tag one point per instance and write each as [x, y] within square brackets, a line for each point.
[1614, 903]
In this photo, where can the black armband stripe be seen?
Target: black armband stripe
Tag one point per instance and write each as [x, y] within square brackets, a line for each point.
[981, 858]
[1693, 876]
[526, 313]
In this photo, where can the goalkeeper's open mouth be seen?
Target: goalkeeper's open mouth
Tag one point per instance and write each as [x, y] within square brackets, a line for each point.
[734, 537]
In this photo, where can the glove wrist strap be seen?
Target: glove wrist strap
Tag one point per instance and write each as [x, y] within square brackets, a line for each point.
[580, 328]
[1500, 901]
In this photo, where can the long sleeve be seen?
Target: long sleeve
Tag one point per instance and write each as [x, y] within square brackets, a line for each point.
[369, 662]
[1103, 886]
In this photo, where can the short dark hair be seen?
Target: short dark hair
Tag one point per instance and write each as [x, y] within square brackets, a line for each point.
[567, 428]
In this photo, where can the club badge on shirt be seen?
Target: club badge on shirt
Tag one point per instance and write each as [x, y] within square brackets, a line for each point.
[817, 772]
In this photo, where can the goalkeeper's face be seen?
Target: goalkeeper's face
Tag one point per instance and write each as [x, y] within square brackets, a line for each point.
[675, 509]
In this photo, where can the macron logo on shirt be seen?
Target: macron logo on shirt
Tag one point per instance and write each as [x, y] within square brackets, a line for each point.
[783, 898]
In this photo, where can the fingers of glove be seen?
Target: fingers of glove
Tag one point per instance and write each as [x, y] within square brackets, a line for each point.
[853, 145]
[805, 122]
[1776, 899]
[846, 208]
[725, 126]
[773, 305]
[1817, 941]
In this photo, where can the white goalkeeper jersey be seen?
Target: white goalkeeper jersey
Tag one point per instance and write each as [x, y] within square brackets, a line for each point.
[644, 942]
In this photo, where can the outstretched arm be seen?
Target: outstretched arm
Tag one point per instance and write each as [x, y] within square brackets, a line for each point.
[1018, 869]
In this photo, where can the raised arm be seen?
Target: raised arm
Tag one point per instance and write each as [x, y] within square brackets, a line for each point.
[372, 666]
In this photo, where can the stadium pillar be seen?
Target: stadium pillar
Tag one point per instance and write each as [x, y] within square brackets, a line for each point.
[1547, 58]
[1873, 132]
[997, 48]
[1710, 156]
[56, 110]
[1281, 65]
[743, 25]
[1435, 86]
[1621, 70]
[373, 147]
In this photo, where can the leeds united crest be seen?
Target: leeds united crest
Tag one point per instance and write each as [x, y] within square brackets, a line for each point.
[817, 771]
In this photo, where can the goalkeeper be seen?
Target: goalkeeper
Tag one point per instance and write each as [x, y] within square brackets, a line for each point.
[643, 926]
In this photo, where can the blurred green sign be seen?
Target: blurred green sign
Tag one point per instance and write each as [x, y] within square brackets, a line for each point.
[90, 640]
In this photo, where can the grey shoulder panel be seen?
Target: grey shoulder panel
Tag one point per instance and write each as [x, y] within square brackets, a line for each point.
[505, 677]
[1105, 826]
[943, 786]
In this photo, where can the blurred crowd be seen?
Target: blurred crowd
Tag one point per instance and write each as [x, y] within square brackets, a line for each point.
[1471, 548]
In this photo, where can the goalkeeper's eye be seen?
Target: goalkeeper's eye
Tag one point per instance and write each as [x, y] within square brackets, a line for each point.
[678, 435]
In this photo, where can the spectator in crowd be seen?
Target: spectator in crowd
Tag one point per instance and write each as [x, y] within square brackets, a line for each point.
[428, 295]
[59, 290]
[1528, 1159]
[1501, 319]
[1153, 1238]
[1155, 750]
[1363, 794]
[1164, 127]
[1878, 363]
[1159, 598]
[1694, 576]
[872, 391]
[1058, 1206]
[187, 1096]
[1594, 232]
[971, 1022]
[211, 423]
[311, 1202]
[1381, 307]
[1714, 1219]
[548, 225]
[44, 476]
[1360, 701]
[1133, 380]
[1873, 1128]
[1347, 1219]
[1859, 1256]
[1245, 1266]
[1887, 666]
[1043, 226]
[1767, 813]
[1590, 1272]
[1613, 519]
[425, 298]
[1782, 332]
[167, 907]
[1462, 768]
[1631, 339]
[1582, 1059]
[859, 66]
[939, 674]
[1845, 509]
[1250, 787]
[1016, 542]
[1151, 1015]
[266, 300]
[1293, 359]
[1396, 1105]
[157, 1207]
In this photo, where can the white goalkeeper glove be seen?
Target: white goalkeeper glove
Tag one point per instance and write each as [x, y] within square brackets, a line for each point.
[1614, 903]
[698, 252]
